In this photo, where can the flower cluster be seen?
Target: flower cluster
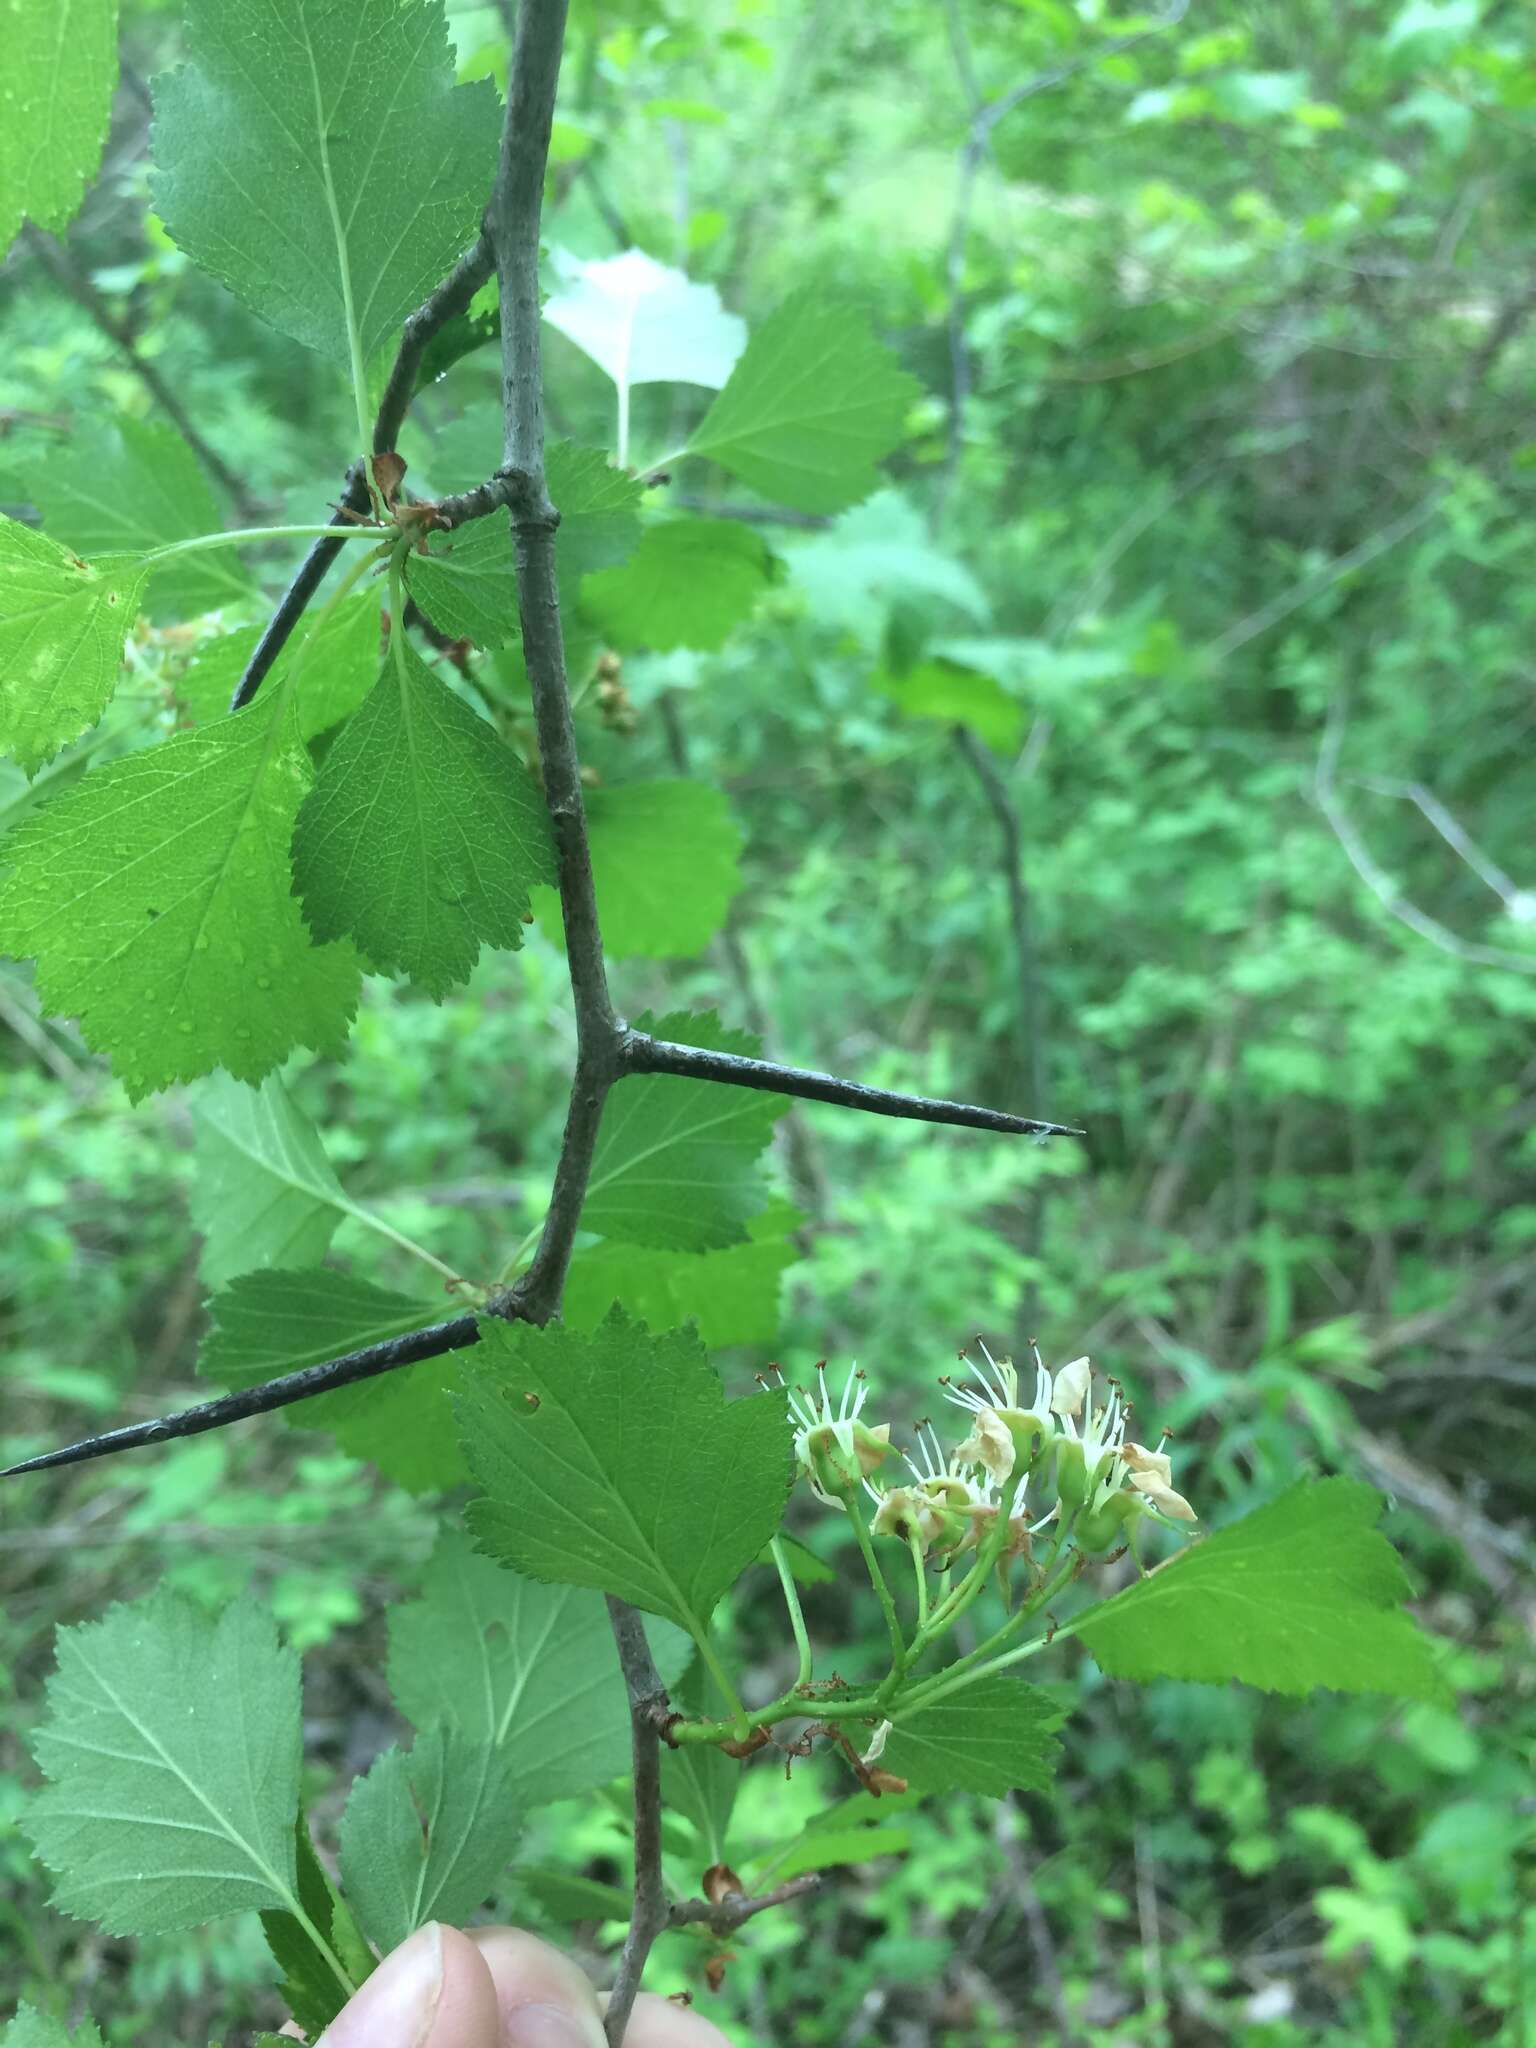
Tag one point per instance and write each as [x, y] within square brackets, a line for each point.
[1063, 1445]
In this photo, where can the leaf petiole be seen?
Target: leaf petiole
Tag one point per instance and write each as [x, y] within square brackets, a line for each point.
[250, 536]
[792, 1602]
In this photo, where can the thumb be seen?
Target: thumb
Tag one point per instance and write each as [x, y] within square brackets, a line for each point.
[433, 1991]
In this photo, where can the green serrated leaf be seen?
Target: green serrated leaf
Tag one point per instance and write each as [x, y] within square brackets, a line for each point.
[628, 1471]
[60, 70]
[690, 583]
[814, 404]
[805, 1566]
[33, 2029]
[62, 628]
[319, 160]
[664, 859]
[310, 1988]
[467, 585]
[994, 1737]
[675, 1165]
[264, 1194]
[274, 1322]
[733, 1295]
[828, 1849]
[565, 1899]
[528, 1667]
[157, 898]
[958, 696]
[423, 832]
[426, 1834]
[126, 486]
[172, 1751]
[1303, 1592]
[333, 666]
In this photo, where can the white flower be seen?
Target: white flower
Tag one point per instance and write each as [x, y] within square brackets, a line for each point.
[835, 1446]
[1070, 1386]
[1003, 1434]
[988, 1445]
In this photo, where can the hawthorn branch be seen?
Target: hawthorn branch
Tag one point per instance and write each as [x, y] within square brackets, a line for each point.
[736, 1908]
[650, 1913]
[447, 300]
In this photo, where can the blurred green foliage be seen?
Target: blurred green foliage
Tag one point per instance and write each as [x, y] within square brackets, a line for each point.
[1222, 546]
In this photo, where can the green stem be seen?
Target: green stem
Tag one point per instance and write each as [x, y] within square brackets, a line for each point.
[968, 1668]
[333, 1961]
[740, 1725]
[882, 1590]
[248, 536]
[792, 1602]
[915, 1544]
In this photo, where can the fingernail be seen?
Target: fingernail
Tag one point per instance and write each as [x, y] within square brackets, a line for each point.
[397, 2005]
[550, 2026]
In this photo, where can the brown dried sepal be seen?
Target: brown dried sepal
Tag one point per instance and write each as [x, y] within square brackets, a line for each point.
[720, 1883]
[754, 1742]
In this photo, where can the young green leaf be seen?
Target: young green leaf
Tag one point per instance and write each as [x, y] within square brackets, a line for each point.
[700, 1781]
[664, 860]
[272, 1322]
[834, 1848]
[157, 899]
[690, 583]
[878, 559]
[60, 69]
[126, 486]
[613, 1460]
[993, 1737]
[33, 2029]
[310, 1988]
[467, 585]
[172, 1752]
[62, 628]
[733, 1295]
[334, 664]
[530, 1668]
[423, 832]
[813, 405]
[675, 1165]
[958, 696]
[426, 1835]
[320, 161]
[264, 1194]
[1303, 1592]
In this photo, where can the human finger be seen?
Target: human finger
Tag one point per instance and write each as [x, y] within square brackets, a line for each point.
[433, 1991]
[544, 2000]
[658, 2023]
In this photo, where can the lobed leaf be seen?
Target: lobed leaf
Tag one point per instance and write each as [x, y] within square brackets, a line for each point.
[732, 1294]
[1303, 1592]
[272, 1322]
[62, 628]
[172, 1752]
[423, 832]
[426, 1834]
[813, 405]
[320, 161]
[529, 1668]
[157, 898]
[265, 1193]
[124, 486]
[664, 861]
[643, 323]
[996, 1736]
[676, 1160]
[33, 2029]
[690, 583]
[60, 71]
[626, 1470]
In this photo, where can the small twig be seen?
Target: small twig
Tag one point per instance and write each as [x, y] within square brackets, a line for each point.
[1520, 903]
[57, 259]
[451, 297]
[735, 1909]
